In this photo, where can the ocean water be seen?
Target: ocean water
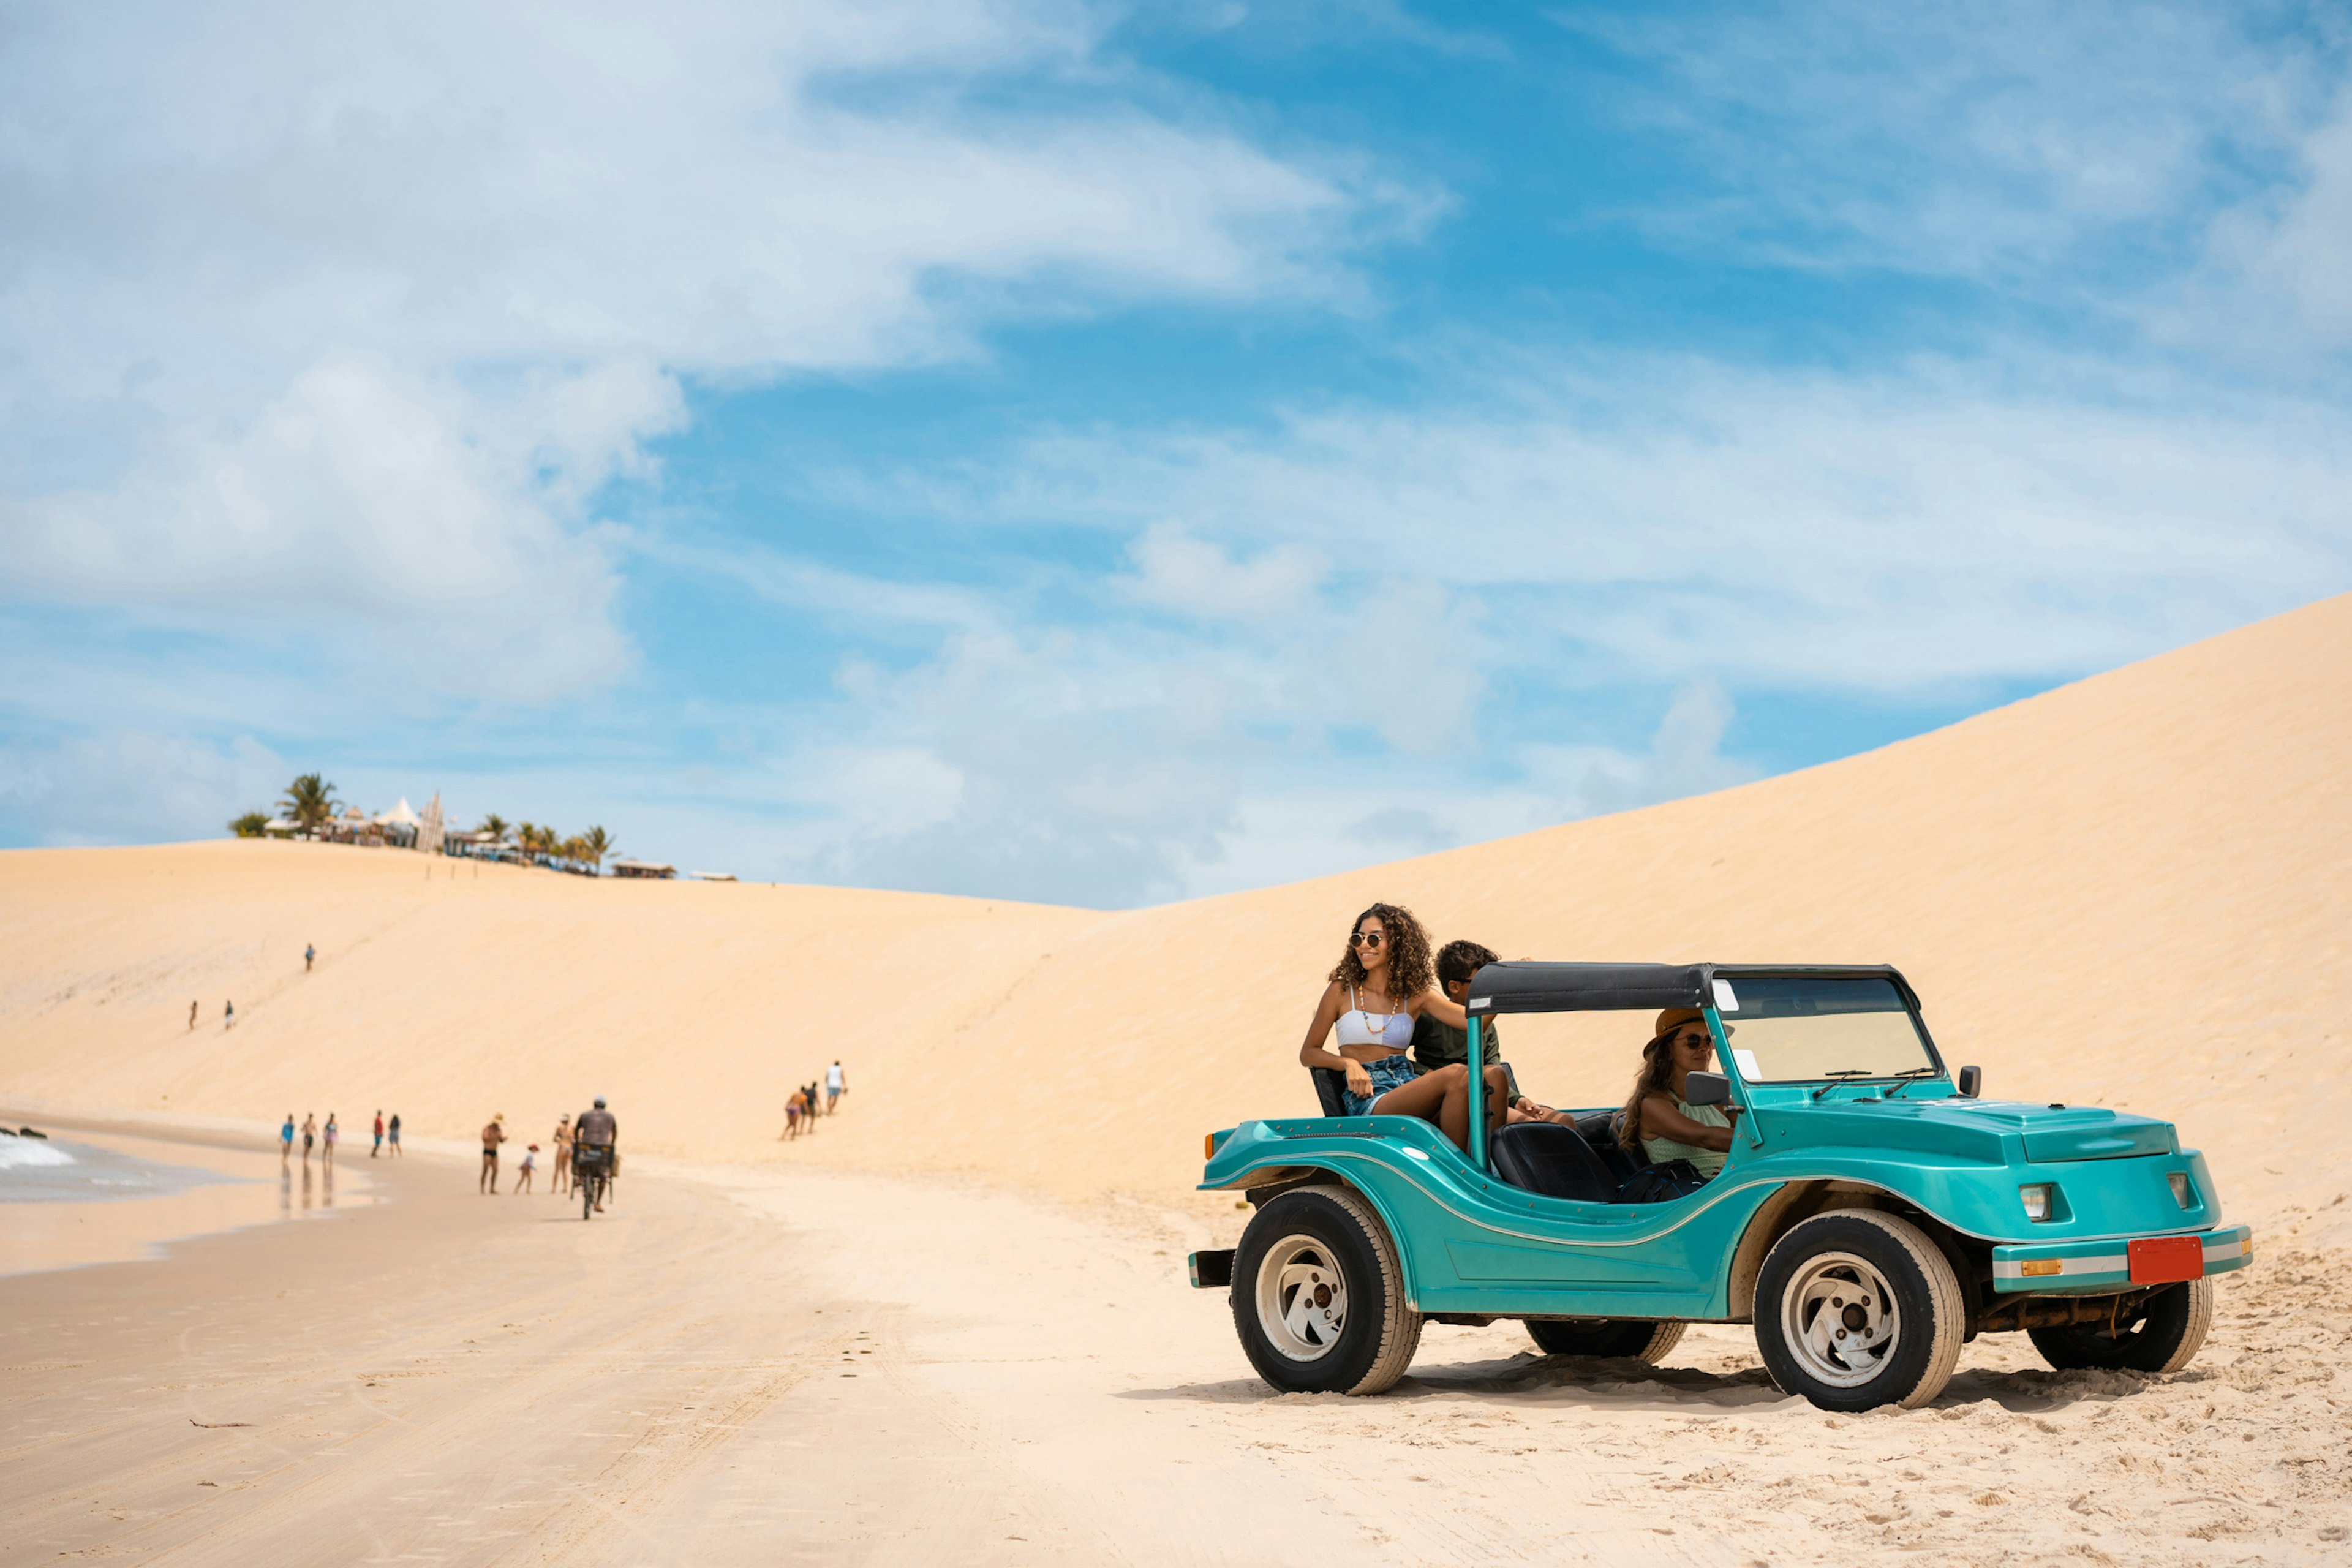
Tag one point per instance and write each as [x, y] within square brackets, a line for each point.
[59, 1171]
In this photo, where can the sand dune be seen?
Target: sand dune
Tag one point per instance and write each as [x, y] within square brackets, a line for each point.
[2132, 891]
[2135, 889]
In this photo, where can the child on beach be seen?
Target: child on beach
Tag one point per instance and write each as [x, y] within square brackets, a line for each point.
[523, 1171]
[286, 1139]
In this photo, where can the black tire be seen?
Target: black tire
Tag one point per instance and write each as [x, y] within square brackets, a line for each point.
[588, 1197]
[2163, 1334]
[1643, 1339]
[1855, 1309]
[1318, 1298]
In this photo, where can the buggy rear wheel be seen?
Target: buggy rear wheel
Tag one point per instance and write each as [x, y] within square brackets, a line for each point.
[2163, 1333]
[1318, 1298]
[1640, 1338]
[1856, 1308]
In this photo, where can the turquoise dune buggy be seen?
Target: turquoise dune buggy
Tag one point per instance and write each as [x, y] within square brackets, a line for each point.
[1872, 1215]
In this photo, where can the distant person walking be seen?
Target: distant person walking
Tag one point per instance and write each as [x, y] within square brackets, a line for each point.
[327, 1154]
[192, 1017]
[792, 1109]
[835, 1086]
[229, 1016]
[378, 1147]
[523, 1171]
[286, 1139]
[310, 954]
[309, 1135]
[494, 1132]
[392, 1132]
[559, 1179]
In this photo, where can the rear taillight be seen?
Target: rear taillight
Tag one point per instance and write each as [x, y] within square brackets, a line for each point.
[2182, 1193]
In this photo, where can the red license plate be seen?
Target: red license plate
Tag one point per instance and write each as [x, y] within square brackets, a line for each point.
[2161, 1259]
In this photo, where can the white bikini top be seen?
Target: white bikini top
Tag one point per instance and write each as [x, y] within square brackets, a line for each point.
[1358, 1027]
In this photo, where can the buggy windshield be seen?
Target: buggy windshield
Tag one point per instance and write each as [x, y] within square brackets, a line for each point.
[1794, 1028]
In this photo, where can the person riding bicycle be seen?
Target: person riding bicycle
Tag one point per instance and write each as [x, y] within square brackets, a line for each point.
[595, 1134]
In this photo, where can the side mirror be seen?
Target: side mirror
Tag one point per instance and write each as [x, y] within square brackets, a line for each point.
[1707, 1089]
[1972, 1080]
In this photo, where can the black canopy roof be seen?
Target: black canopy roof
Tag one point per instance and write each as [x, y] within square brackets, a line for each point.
[1526, 986]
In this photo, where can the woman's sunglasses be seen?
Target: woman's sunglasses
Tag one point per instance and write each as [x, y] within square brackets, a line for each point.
[1365, 939]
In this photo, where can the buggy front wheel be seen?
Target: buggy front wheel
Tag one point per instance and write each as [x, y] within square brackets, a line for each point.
[1318, 1298]
[1856, 1308]
[2162, 1333]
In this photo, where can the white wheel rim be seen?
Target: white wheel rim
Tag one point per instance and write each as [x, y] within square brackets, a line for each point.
[1839, 1320]
[1302, 1298]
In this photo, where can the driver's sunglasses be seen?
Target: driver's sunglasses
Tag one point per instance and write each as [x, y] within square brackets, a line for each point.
[1365, 939]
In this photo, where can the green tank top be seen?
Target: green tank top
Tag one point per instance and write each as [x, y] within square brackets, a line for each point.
[1707, 1160]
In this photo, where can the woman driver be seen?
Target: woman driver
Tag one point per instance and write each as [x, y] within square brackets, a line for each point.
[1669, 1127]
[1383, 984]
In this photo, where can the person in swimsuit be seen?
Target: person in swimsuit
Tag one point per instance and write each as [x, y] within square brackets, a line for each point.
[1670, 1127]
[559, 1176]
[333, 1133]
[793, 1116]
[285, 1139]
[309, 1135]
[494, 1132]
[523, 1171]
[1382, 986]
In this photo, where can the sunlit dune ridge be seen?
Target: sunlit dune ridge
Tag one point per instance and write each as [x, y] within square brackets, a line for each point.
[2135, 889]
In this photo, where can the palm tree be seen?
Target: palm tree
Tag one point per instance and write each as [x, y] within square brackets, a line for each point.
[496, 827]
[595, 845]
[310, 801]
[574, 852]
[526, 837]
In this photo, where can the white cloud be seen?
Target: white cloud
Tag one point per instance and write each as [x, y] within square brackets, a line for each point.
[1656, 519]
[1988, 139]
[334, 309]
[126, 786]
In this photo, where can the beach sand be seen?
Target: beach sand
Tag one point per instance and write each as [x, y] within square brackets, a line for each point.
[2132, 891]
[754, 1366]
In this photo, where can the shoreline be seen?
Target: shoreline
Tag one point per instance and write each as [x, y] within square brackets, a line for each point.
[44, 1237]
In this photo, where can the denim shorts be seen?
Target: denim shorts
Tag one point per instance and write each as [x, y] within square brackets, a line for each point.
[1386, 1074]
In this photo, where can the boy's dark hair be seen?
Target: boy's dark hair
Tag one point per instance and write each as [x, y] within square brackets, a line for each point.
[1459, 960]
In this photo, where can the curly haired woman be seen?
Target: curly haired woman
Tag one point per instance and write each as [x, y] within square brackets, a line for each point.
[1383, 984]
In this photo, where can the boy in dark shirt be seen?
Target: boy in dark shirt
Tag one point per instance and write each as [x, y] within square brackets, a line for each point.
[1435, 1045]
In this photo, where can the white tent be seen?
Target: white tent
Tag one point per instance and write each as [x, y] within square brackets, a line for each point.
[400, 816]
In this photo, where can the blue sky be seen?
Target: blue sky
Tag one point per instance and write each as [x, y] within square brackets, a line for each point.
[1112, 454]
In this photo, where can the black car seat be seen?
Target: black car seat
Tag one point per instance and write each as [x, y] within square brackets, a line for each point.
[1596, 1127]
[1552, 1159]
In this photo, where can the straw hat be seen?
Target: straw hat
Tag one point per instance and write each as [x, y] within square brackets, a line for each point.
[1673, 1018]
